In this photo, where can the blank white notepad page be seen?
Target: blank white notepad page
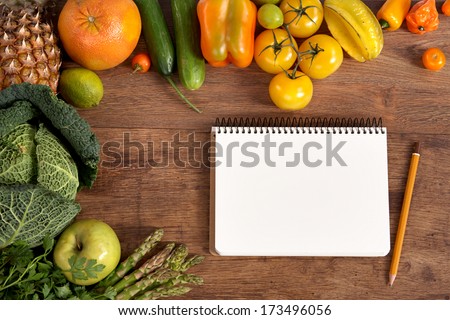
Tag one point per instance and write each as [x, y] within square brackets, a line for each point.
[305, 193]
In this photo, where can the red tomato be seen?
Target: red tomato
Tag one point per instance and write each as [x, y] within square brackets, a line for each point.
[141, 63]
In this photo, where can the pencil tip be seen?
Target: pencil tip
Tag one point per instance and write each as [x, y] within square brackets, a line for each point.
[391, 280]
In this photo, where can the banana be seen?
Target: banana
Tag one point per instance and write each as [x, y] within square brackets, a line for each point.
[355, 27]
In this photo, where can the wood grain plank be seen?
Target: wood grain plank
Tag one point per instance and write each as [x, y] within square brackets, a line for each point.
[135, 198]
[154, 170]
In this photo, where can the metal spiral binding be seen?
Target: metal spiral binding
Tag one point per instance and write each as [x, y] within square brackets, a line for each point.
[301, 125]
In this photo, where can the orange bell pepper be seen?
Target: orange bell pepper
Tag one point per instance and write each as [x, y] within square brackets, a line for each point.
[227, 29]
[423, 17]
[392, 13]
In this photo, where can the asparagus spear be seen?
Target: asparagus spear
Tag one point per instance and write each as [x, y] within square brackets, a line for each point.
[122, 269]
[162, 276]
[163, 292]
[150, 265]
[176, 258]
[184, 278]
[156, 277]
[193, 261]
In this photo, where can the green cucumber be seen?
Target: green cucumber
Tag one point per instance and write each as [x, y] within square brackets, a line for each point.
[159, 43]
[157, 36]
[190, 62]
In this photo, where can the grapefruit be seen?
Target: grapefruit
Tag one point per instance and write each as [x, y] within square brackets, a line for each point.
[99, 35]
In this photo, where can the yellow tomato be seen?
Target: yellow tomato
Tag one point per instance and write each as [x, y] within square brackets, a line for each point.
[321, 55]
[291, 92]
[303, 17]
[274, 51]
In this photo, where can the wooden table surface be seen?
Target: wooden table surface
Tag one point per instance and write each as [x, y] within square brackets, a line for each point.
[145, 183]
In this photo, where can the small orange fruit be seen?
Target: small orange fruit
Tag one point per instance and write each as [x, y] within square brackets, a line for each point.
[98, 34]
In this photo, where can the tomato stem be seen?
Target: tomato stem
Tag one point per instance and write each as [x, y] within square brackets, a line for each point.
[276, 46]
[299, 53]
[312, 52]
[137, 68]
[300, 12]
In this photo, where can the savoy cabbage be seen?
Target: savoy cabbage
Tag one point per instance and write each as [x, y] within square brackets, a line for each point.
[30, 212]
[47, 152]
[66, 123]
[56, 169]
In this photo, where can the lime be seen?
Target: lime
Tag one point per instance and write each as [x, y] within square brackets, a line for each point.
[270, 16]
[81, 87]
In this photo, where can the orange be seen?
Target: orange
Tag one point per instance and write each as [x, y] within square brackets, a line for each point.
[99, 34]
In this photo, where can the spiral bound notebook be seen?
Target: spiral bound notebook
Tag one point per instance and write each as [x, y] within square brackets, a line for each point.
[299, 187]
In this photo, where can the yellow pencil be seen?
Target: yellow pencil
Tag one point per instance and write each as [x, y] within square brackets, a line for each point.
[404, 213]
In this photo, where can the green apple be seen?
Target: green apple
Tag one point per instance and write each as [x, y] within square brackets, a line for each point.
[87, 251]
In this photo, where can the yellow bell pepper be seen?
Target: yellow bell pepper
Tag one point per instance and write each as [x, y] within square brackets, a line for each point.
[392, 13]
[227, 30]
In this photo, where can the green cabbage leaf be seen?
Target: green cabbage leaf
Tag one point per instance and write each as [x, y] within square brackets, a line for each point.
[17, 155]
[29, 212]
[57, 171]
[19, 113]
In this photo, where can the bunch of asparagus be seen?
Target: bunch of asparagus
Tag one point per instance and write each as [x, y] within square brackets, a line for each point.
[160, 276]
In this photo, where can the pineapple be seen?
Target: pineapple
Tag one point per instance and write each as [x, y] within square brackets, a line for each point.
[28, 48]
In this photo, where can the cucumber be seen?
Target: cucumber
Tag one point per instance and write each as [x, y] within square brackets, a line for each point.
[190, 62]
[159, 43]
[157, 36]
